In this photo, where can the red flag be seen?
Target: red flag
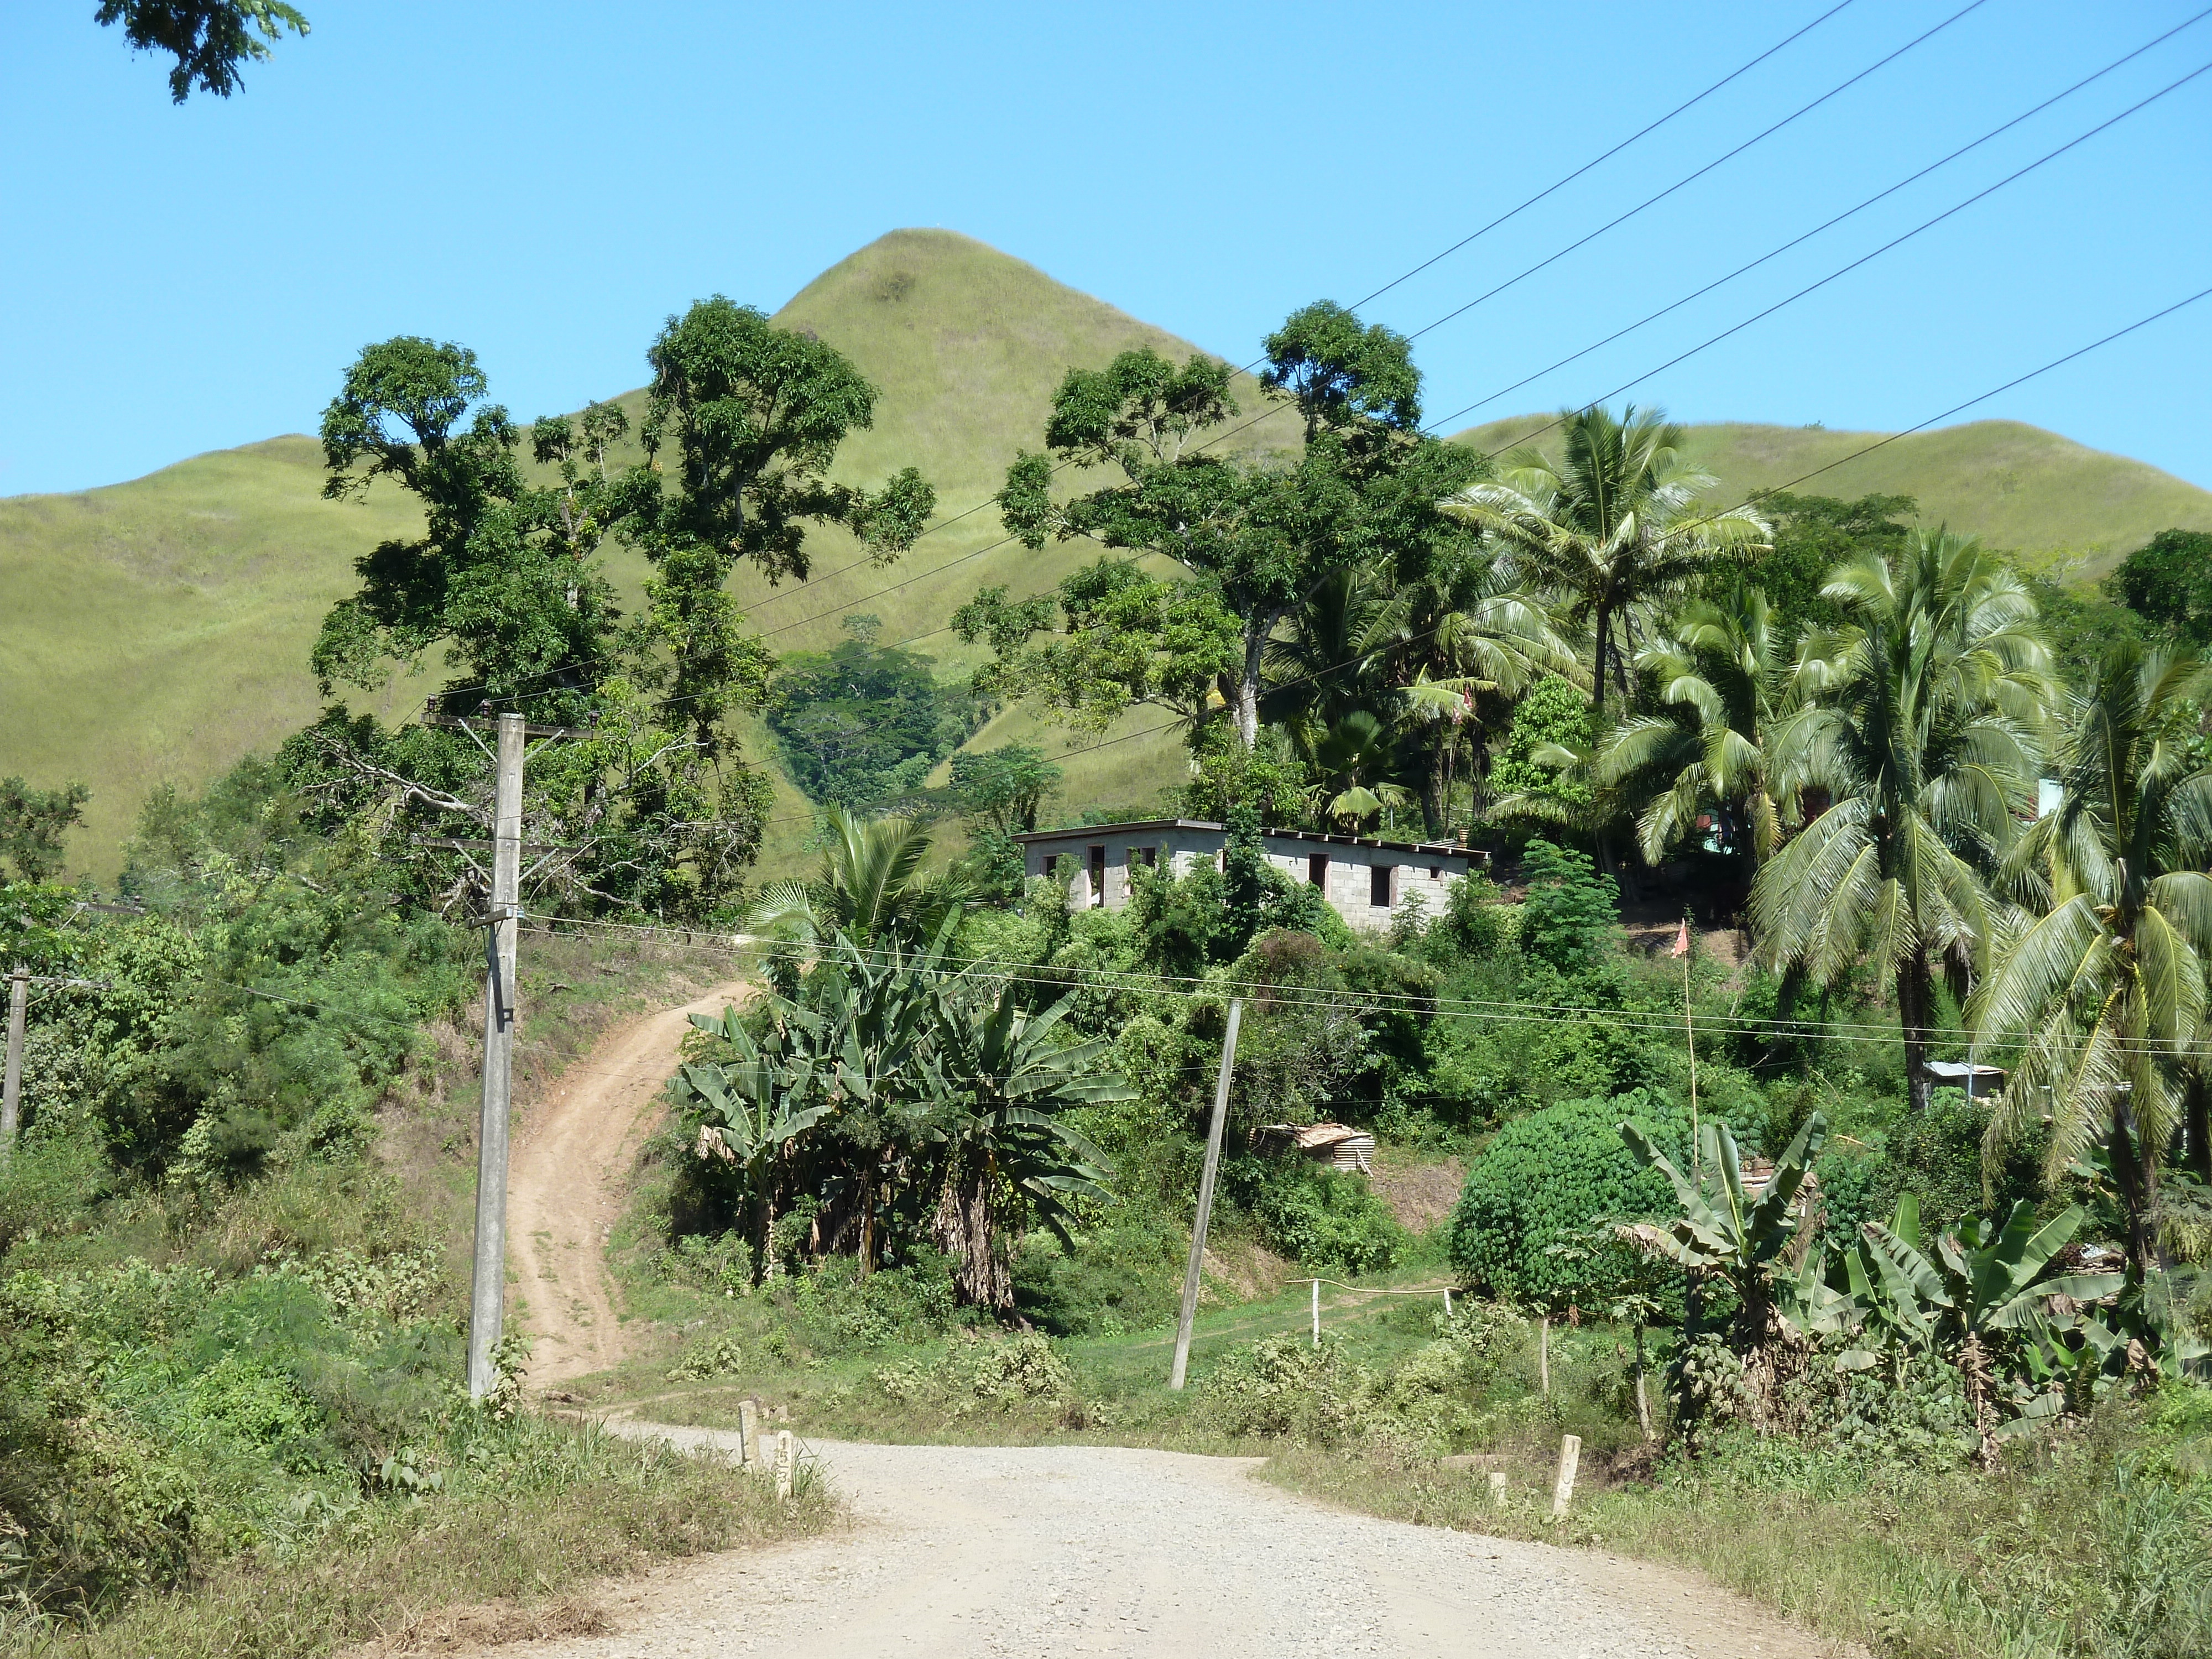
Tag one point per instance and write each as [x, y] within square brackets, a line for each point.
[1682, 939]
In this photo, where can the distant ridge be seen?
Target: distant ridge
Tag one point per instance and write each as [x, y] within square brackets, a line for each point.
[158, 629]
[2070, 509]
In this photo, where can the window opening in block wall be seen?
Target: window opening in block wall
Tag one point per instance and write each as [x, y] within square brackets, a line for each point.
[1097, 876]
[1317, 869]
[1378, 886]
[1149, 857]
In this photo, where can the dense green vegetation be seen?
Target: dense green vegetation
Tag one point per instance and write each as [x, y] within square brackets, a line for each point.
[1717, 1215]
[155, 628]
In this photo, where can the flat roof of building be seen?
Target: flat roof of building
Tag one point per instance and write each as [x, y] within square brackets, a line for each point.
[1088, 831]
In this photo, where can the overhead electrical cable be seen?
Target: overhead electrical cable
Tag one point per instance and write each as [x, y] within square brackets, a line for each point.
[1561, 183]
[1552, 189]
[1845, 270]
[1829, 224]
[1689, 179]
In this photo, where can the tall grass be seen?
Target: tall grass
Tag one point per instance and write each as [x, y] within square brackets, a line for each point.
[551, 1507]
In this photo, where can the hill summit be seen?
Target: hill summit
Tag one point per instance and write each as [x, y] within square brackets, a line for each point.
[157, 630]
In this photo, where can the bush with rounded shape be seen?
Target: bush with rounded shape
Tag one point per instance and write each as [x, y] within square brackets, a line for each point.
[1544, 1178]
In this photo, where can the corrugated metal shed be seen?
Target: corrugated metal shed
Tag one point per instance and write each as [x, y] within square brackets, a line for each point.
[1339, 1145]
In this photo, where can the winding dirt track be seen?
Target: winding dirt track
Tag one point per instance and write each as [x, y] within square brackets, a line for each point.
[564, 1189]
[1069, 1550]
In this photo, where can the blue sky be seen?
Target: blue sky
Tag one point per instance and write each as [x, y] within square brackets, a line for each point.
[546, 181]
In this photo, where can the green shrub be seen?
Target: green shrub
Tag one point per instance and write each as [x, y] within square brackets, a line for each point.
[1937, 1154]
[1572, 918]
[1542, 1181]
[1323, 1219]
[1123, 1276]
[1283, 1388]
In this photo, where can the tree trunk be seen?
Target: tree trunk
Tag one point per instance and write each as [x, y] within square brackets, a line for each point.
[1782, 1042]
[1974, 1372]
[1247, 711]
[1434, 785]
[765, 1208]
[2196, 1115]
[1604, 620]
[2135, 1174]
[965, 1231]
[1913, 995]
[1642, 1404]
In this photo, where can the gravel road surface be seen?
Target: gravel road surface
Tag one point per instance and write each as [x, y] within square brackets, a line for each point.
[1088, 1550]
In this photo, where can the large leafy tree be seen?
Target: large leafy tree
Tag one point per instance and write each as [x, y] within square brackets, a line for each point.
[505, 575]
[1251, 540]
[1725, 689]
[1925, 737]
[211, 39]
[1614, 524]
[2169, 580]
[2104, 994]
[754, 416]
[33, 826]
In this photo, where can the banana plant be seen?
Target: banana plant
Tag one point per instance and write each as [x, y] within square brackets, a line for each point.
[1981, 1293]
[753, 1107]
[1008, 1081]
[1724, 1231]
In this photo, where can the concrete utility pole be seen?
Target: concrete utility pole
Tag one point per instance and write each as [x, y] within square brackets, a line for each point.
[11, 1095]
[1205, 1195]
[487, 1290]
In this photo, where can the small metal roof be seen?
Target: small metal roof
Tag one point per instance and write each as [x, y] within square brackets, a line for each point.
[1312, 1137]
[1425, 848]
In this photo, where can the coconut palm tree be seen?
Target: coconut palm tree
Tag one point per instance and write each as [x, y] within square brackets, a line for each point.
[1613, 525]
[1925, 736]
[1464, 631]
[1721, 670]
[2105, 994]
[871, 887]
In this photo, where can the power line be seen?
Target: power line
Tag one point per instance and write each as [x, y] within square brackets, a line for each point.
[1648, 1021]
[1433, 426]
[1560, 184]
[1845, 270]
[1829, 224]
[1689, 179]
[1513, 212]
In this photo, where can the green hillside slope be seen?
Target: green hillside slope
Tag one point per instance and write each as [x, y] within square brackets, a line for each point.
[2073, 510]
[158, 629]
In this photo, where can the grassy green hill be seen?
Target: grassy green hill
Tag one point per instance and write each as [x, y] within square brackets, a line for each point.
[2073, 511]
[158, 629]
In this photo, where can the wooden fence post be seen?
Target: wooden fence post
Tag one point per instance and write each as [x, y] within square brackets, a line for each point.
[748, 1426]
[1562, 1489]
[1316, 1312]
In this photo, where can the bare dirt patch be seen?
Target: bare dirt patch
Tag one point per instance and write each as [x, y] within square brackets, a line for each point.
[1420, 1191]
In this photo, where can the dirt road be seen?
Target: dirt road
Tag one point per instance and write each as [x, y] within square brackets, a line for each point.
[564, 1189]
[1097, 1550]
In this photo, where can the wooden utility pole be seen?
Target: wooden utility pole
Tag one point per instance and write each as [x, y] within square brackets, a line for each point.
[1205, 1195]
[11, 1087]
[487, 1290]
